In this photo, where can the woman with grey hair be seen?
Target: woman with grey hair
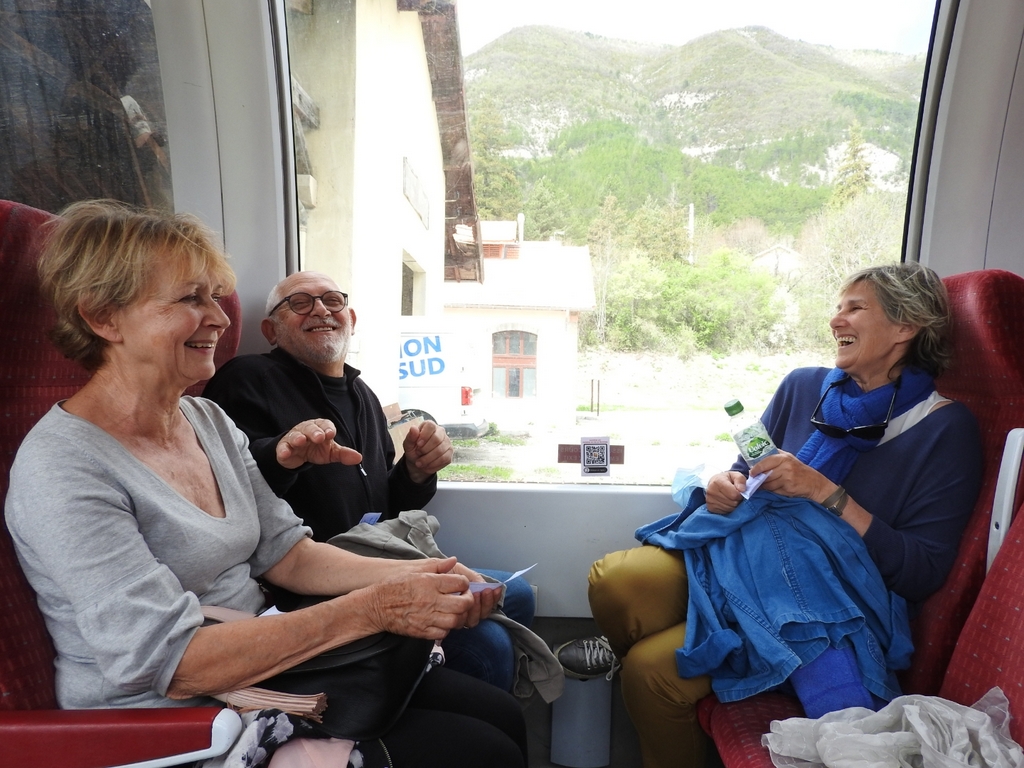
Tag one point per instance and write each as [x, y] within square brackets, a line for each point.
[873, 447]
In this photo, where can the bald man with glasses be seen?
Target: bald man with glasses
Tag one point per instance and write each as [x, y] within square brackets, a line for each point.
[320, 438]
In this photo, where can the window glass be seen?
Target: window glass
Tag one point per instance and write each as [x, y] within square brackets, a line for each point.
[81, 107]
[682, 210]
[529, 382]
[513, 382]
[673, 216]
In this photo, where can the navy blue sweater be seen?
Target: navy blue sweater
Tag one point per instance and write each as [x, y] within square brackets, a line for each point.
[920, 486]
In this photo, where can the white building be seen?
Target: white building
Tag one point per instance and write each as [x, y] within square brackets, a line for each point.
[523, 319]
[382, 162]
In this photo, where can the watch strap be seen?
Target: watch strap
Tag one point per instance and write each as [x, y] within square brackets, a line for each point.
[836, 502]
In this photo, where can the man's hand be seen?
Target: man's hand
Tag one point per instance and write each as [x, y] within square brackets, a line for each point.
[313, 441]
[427, 450]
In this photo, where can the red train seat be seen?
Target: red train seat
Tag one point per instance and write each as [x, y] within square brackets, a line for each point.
[33, 376]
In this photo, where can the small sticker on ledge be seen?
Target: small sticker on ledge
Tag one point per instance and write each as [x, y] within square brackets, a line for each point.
[595, 456]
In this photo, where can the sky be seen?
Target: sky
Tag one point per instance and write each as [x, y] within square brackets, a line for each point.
[888, 25]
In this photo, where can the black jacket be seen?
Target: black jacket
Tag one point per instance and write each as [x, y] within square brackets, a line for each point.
[266, 395]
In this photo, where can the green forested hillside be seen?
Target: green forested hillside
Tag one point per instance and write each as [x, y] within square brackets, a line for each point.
[733, 91]
[772, 140]
[607, 157]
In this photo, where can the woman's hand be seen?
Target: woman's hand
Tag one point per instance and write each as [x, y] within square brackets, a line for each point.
[791, 477]
[429, 603]
[313, 441]
[485, 601]
[724, 492]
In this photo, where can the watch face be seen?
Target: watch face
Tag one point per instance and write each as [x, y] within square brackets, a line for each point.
[837, 508]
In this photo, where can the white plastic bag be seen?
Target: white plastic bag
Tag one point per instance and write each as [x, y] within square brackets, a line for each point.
[909, 732]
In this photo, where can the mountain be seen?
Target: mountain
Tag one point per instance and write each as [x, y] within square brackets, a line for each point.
[747, 99]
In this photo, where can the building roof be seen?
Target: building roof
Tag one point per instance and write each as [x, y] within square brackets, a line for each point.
[547, 275]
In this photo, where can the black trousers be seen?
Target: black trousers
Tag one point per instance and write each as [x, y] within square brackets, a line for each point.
[452, 721]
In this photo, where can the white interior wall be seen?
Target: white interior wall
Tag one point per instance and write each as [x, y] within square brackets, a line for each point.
[976, 170]
[562, 528]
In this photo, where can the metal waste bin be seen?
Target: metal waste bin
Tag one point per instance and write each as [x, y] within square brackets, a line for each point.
[581, 723]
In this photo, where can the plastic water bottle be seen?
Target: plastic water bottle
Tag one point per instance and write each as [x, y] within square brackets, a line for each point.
[749, 433]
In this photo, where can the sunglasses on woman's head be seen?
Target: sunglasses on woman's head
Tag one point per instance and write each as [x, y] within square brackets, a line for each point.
[872, 432]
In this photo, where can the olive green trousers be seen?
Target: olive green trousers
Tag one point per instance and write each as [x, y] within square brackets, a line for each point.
[638, 598]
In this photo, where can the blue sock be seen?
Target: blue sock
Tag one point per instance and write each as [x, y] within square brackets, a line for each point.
[830, 682]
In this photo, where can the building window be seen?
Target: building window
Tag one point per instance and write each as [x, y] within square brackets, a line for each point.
[514, 364]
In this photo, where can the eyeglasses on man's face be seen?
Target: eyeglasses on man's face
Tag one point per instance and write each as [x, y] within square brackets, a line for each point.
[872, 432]
[303, 303]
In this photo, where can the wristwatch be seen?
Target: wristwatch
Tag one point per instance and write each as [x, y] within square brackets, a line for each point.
[836, 503]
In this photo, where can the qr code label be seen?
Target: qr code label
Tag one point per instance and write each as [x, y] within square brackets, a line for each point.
[595, 455]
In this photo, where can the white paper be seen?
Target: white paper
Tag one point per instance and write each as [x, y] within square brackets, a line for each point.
[480, 586]
[753, 483]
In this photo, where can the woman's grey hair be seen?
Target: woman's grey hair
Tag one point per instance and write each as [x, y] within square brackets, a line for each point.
[912, 293]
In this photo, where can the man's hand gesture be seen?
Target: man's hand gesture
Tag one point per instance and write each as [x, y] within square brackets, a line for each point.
[427, 449]
[313, 441]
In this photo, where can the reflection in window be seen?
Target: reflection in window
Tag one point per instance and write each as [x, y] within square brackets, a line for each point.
[82, 113]
[514, 364]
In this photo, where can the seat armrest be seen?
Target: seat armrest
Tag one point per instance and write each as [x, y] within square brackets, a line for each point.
[96, 738]
[1003, 504]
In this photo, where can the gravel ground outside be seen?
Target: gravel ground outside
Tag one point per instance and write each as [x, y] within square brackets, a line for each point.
[666, 412]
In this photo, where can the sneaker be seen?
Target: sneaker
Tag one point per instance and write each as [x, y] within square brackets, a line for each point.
[587, 657]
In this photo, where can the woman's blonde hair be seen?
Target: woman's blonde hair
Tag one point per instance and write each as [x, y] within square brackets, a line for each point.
[912, 293]
[102, 254]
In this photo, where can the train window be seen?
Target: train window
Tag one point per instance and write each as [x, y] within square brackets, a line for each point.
[81, 107]
[669, 217]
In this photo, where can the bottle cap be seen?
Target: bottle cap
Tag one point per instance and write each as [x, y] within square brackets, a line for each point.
[733, 407]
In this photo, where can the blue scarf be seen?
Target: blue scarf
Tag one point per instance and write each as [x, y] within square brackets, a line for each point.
[847, 406]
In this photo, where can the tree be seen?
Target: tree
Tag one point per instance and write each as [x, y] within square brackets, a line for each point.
[497, 189]
[634, 296]
[854, 175]
[838, 242]
[545, 210]
[659, 231]
[606, 250]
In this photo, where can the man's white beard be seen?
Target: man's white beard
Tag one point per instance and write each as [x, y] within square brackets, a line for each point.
[314, 348]
[333, 349]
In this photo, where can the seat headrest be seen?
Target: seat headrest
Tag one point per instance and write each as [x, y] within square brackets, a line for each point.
[988, 310]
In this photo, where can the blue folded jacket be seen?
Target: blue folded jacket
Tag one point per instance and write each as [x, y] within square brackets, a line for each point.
[772, 586]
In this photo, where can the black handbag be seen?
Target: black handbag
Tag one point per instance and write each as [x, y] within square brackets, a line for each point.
[368, 683]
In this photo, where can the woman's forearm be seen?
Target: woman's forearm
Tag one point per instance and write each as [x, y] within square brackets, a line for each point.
[312, 568]
[422, 603]
[228, 656]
